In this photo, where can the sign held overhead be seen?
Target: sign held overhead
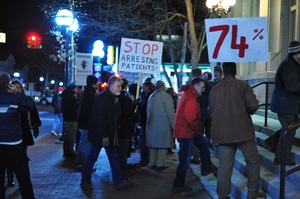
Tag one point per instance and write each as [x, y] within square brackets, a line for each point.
[140, 56]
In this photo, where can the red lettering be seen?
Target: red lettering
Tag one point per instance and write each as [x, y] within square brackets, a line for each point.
[154, 48]
[148, 50]
[136, 46]
[127, 43]
[224, 29]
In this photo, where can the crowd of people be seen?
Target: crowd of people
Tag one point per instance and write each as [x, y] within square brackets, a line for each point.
[206, 114]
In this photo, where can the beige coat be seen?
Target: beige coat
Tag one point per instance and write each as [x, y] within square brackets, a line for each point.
[160, 120]
[231, 103]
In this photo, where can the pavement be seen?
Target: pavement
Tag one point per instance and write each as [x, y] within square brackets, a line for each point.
[54, 176]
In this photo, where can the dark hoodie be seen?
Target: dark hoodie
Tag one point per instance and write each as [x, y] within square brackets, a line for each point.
[69, 106]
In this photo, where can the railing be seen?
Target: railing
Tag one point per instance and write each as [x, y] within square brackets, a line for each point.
[283, 172]
[266, 104]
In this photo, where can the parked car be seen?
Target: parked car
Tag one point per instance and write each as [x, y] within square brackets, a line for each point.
[44, 100]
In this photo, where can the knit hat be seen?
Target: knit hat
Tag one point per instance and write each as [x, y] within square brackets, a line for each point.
[294, 47]
[196, 72]
[71, 85]
[218, 69]
[91, 80]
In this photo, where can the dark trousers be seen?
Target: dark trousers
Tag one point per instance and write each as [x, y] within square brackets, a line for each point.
[285, 121]
[144, 149]
[15, 158]
[185, 147]
[203, 145]
[112, 154]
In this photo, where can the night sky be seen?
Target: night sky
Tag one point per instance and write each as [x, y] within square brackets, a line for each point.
[17, 18]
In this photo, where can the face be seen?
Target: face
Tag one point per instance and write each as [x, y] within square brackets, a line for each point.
[116, 87]
[18, 87]
[217, 75]
[200, 87]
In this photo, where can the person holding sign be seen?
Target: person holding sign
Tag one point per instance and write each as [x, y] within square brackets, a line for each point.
[231, 103]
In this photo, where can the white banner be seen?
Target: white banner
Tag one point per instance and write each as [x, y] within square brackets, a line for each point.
[237, 39]
[83, 67]
[140, 56]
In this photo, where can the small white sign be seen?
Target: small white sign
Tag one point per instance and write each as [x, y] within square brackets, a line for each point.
[237, 39]
[83, 67]
[140, 56]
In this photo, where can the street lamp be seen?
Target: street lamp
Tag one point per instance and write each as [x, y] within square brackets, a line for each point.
[220, 6]
[66, 20]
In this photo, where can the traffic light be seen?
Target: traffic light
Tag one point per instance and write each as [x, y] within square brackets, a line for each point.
[34, 41]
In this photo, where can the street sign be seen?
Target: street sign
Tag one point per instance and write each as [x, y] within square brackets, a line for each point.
[237, 39]
[84, 67]
[140, 56]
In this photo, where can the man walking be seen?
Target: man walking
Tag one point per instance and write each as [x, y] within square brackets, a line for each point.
[103, 133]
[231, 103]
[286, 102]
[84, 115]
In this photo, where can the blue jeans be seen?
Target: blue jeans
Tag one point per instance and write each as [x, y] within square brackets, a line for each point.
[185, 147]
[58, 123]
[203, 144]
[112, 154]
[83, 148]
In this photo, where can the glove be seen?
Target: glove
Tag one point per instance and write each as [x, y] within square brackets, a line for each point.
[105, 142]
[36, 131]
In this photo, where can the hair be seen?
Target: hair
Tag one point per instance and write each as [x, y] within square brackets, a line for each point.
[149, 85]
[229, 68]
[4, 81]
[17, 82]
[218, 68]
[209, 75]
[197, 80]
[196, 72]
[113, 79]
[124, 83]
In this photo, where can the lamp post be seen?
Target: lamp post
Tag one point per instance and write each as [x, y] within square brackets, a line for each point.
[99, 53]
[65, 19]
[220, 6]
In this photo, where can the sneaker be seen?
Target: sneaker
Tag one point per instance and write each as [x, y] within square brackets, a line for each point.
[87, 185]
[255, 195]
[125, 184]
[212, 170]
[287, 162]
[53, 133]
[182, 189]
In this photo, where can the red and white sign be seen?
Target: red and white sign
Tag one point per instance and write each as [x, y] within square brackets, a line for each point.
[237, 39]
[140, 56]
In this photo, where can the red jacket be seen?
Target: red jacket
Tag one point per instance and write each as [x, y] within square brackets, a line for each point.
[187, 119]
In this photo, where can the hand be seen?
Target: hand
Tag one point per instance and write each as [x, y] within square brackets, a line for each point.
[105, 142]
[36, 131]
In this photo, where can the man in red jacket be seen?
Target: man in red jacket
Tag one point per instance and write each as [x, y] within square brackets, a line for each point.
[186, 130]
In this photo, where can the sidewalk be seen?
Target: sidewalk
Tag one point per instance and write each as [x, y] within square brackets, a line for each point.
[54, 176]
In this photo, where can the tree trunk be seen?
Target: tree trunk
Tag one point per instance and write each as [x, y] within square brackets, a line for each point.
[192, 33]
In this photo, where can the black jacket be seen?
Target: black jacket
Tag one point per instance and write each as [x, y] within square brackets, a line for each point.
[104, 119]
[127, 117]
[85, 107]
[34, 120]
[56, 104]
[286, 94]
[69, 106]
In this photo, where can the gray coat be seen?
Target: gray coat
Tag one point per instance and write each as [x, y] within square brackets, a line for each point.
[160, 120]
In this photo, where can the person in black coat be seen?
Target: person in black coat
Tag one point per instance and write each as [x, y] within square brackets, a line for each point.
[84, 116]
[69, 110]
[103, 132]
